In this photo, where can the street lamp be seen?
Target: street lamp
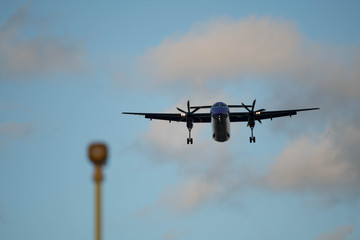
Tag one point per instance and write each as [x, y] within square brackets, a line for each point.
[98, 155]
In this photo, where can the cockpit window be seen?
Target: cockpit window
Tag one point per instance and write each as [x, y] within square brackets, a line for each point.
[219, 104]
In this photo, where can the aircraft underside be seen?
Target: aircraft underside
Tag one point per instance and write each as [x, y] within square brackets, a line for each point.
[221, 128]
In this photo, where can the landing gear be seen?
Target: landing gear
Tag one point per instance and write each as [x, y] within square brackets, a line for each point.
[189, 117]
[252, 138]
[190, 140]
[253, 116]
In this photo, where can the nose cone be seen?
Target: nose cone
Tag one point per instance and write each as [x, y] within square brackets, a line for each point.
[220, 111]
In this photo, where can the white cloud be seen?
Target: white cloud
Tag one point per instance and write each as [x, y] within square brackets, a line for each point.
[208, 171]
[226, 50]
[326, 163]
[298, 72]
[25, 56]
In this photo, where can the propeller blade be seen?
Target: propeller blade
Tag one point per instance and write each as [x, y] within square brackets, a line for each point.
[188, 105]
[260, 110]
[253, 105]
[195, 110]
[236, 106]
[259, 121]
[245, 107]
[181, 110]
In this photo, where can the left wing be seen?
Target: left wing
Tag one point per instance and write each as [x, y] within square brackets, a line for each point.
[178, 117]
[260, 115]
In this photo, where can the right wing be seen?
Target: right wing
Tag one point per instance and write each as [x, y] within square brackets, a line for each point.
[244, 116]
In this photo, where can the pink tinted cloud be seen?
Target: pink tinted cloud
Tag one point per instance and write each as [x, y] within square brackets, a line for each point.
[26, 57]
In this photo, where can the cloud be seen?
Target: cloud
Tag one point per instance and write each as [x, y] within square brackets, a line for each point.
[27, 56]
[321, 157]
[199, 165]
[172, 235]
[325, 163]
[189, 195]
[209, 172]
[12, 131]
[225, 50]
[341, 233]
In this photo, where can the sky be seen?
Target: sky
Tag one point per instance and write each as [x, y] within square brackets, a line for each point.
[69, 69]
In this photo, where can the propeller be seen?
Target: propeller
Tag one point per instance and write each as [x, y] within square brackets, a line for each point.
[252, 113]
[189, 113]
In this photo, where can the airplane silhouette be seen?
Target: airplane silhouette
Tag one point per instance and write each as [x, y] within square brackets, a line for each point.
[220, 117]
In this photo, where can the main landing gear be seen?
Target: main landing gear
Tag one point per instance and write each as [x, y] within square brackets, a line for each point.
[252, 138]
[253, 115]
[189, 116]
[189, 125]
[189, 139]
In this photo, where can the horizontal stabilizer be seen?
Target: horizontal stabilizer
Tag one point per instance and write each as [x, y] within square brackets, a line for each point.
[230, 106]
[201, 107]
[239, 106]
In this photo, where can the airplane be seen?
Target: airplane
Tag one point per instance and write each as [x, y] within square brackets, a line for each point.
[220, 117]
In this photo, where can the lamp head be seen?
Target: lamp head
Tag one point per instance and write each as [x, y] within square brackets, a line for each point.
[98, 153]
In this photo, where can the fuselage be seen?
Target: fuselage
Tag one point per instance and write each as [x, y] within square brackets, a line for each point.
[220, 121]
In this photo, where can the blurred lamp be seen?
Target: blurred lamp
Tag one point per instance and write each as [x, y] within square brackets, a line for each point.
[98, 153]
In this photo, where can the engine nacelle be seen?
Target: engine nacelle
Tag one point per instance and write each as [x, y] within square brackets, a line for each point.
[189, 123]
[251, 122]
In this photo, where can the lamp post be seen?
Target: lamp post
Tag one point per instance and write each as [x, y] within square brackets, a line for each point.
[98, 155]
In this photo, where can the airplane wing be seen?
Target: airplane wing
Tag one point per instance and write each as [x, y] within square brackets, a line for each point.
[178, 117]
[260, 115]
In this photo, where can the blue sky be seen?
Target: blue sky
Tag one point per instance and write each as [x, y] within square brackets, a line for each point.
[68, 69]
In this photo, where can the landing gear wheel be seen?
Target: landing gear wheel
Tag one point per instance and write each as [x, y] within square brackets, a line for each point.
[254, 139]
[250, 139]
[190, 140]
